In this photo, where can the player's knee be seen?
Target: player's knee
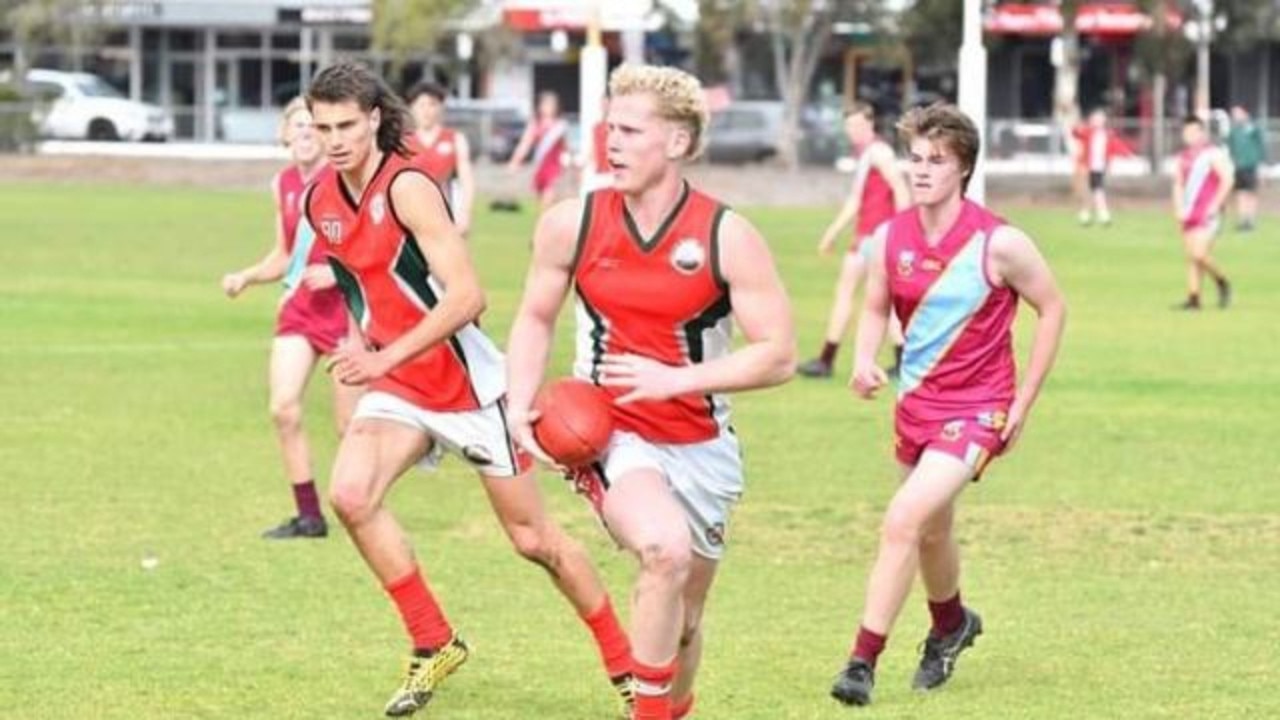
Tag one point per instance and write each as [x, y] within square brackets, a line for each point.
[532, 544]
[901, 526]
[286, 413]
[934, 538]
[350, 502]
[668, 559]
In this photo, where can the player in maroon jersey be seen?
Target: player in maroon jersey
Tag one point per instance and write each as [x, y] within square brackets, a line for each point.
[436, 382]
[954, 273]
[660, 271]
[442, 152]
[310, 322]
[878, 192]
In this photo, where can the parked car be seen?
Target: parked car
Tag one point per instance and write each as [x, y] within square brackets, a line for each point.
[81, 106]
[745, 132]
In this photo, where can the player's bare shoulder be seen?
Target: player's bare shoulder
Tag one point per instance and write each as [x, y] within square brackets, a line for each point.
[558, 233]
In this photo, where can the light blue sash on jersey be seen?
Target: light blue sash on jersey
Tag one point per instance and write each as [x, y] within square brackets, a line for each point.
[304, 238]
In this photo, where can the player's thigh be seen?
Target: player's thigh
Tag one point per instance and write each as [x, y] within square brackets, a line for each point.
[516, 501]
[930, 489]
[372, 454]
[852, 269]
[292, 359]
[345, 398]
[1200, 243]
[641, 511]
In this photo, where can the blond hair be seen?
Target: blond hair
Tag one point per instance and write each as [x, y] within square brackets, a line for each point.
[679, 96]
[295, 105]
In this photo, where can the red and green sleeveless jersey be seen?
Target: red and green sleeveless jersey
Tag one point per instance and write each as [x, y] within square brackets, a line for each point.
[389, 288]
[660, 297]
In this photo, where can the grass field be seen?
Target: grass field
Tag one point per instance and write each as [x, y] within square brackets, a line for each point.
[1124, 557]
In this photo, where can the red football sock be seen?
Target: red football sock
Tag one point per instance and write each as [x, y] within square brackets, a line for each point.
[422, 616]
[680, 709]
[869, 645]
[611, 639]
[653, 690]
[948, 616]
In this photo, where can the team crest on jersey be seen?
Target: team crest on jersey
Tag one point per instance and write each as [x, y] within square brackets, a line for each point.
[378, 208]
[331, 228]
[951, 431]
[906, 263]
[444, 148]
[688, 257]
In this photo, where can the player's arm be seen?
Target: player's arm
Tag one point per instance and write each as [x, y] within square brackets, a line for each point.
[760, 308]
[867, 376]
[1178, 211]
[887, 163]
[1016, 261]
[269, 269]
[545, 287]
[847, 213]
[466, 183]
[523, 147]
[1227, 172]
[418, 205]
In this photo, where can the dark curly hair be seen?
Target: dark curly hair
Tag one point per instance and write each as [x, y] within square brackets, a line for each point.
[349, 81]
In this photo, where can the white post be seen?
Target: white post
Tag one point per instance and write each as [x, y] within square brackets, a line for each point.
[973, 88]
[209, 85]
[593, 69]
[1205, 31]
[135, 62]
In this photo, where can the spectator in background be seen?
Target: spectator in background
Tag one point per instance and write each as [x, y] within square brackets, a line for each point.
[1248, 152]
[1096, 145]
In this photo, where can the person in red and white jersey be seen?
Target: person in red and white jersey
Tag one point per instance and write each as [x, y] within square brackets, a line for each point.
[878, 192]
[436, 382]
[1096, 146]
[1202, 182]
[442, 152]
[310, 322]
[596, 172]
[546, 138]
[659, 271]
[954, 273]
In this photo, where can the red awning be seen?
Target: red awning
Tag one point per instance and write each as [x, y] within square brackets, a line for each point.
[1101, 19]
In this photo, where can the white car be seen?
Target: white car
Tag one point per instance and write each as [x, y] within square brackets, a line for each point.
[81, 106]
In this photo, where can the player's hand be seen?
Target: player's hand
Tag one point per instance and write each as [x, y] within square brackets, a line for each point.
[647, 379]
[1013, 423]
[234, 283]
[319, 277]
[826, 244]
[520, 423]
[867, 379]
[353, 364]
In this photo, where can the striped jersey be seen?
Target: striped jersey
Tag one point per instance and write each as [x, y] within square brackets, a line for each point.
[1200, 182]
[661, 297]
[389, 288]
[958, 324]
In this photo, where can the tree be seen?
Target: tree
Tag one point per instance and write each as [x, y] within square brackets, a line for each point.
[408, 28]
[800, 31]
[42, 23]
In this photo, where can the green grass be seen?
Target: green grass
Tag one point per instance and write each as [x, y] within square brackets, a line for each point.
[1124, 556]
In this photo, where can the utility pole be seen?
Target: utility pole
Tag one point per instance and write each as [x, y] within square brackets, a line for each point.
[973, 88]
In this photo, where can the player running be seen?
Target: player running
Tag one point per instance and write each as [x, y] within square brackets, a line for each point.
[954, 273]
[659, 270]
[878, 192]
[1201, 186]
[436, 382]
[309, 324]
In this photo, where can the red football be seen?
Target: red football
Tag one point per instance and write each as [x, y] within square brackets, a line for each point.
[575, 422]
